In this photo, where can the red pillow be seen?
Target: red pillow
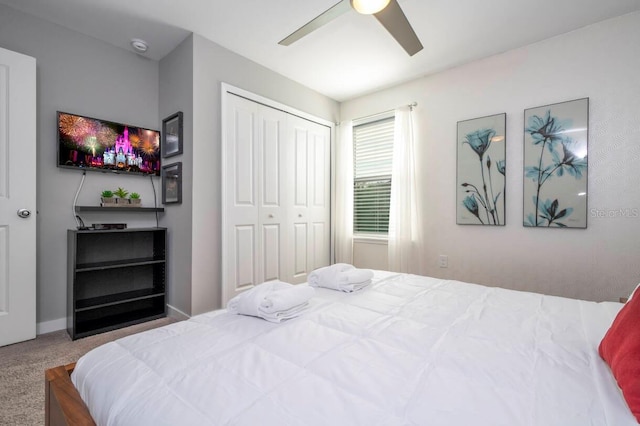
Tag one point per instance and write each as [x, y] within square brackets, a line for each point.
[620, 348]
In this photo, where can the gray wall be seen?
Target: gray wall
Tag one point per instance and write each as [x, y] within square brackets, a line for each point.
[176, 94]
[79, 74]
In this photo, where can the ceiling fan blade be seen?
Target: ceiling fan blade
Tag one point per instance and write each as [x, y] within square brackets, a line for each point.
[322, 19]
[394, 20]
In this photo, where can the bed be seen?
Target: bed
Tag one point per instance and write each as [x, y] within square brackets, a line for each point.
[406, 350]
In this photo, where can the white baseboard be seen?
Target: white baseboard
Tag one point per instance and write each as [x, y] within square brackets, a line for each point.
[176, 313]
[51, 326]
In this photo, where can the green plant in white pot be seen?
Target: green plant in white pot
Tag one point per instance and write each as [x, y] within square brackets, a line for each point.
[121, 193]
[134, 199]
[107, 198]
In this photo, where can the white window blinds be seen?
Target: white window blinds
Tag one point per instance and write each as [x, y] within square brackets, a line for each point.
[373, 157]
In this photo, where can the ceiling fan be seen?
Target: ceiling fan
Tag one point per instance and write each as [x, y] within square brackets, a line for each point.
[387, 12]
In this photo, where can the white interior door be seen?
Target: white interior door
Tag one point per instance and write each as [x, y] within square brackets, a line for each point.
[17, 197]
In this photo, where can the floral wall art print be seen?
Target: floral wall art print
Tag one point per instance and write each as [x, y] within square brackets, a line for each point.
[555, 165]
[481, 171]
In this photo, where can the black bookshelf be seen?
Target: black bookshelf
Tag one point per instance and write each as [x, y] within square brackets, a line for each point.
[115, 278]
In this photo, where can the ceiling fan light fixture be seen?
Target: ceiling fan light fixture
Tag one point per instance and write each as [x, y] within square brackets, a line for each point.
[369, 7]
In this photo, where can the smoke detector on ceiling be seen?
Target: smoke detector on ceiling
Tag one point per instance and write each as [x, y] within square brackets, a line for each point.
[140, 46]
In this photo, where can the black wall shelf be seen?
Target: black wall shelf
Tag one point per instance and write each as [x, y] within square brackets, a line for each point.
[119, 209]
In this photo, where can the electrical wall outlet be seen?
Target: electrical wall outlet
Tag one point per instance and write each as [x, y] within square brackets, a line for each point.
[443, 261]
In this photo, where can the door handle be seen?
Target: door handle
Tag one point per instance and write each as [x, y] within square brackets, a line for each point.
[24, 213]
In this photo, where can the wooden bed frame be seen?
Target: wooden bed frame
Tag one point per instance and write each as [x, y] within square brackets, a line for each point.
[63, 405]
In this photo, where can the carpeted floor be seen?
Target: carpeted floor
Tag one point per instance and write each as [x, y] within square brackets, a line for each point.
[22, 369]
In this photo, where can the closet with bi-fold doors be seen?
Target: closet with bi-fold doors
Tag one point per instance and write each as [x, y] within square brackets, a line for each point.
[276, 195]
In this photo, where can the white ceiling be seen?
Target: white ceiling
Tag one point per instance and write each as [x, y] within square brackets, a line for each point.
[348, 57]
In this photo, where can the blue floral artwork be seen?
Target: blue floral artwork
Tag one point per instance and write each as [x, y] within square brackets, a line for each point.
[555, 165]
[481, 168]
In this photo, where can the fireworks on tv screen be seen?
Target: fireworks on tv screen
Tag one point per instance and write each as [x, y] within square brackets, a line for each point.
[86, 143]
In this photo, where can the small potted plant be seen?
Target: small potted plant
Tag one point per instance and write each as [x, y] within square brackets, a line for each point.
[134, 199]
[122, 199]
[107, 198]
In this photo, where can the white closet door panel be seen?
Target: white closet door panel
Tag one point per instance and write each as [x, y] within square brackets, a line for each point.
[271, 247]
[241, 238]
[244, 157]
[271, 129]
[318, 214]
[320, 245]
[319, 171]
[245, 244]
[300, 265]
[311, 203]
[272, 213]
[301, 167]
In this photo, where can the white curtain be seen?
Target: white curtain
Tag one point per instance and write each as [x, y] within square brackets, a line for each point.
[344, 193]
[404, 233]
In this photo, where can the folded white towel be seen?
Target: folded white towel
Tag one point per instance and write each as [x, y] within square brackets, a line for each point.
[348, 288]
[273, 301]
[356, 276]
[286, 314]
[340, 276]
[328, 275]
[285, 296]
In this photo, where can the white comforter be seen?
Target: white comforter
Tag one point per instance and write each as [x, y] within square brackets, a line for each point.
[407, 350]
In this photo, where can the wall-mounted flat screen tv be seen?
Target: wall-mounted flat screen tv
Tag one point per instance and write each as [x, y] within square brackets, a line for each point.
[86, 143]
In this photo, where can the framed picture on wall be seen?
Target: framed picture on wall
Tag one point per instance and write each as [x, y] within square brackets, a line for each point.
[555, 165]
[172, 135]
[172, 183]
[481, 168]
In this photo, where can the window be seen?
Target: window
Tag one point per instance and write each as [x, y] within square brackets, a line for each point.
[373, 155]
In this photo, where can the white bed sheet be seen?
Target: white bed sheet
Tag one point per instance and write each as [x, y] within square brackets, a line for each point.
[407, 350]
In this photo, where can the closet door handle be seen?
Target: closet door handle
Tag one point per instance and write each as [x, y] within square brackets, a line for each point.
[299, 214]
[270, 216]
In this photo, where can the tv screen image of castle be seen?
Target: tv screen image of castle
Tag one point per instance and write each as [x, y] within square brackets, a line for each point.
[89, 143]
